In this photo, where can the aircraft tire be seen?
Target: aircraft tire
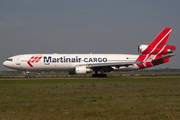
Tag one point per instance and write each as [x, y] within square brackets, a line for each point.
[104, 75]
[99, 75]
[28, 76]
[94, 75]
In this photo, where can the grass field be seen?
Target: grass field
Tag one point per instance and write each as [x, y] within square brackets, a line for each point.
[90, 99]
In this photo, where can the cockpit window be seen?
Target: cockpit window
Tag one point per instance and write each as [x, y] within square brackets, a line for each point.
[9, 59]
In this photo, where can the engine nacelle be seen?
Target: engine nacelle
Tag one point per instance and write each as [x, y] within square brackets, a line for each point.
[79, 70]
[141, 48]
[159, 50]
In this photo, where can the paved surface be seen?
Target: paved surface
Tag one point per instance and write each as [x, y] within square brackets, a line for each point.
[89, 78]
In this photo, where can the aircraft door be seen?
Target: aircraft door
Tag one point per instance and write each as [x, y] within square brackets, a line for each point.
[18, 63]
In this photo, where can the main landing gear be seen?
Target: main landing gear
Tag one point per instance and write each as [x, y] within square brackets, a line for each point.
[99, 75]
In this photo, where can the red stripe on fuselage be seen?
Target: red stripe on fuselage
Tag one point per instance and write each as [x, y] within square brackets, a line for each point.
[30, 61]
[38, 59]
[141, 66]
[144, 65]
[34, 59]
[141, 58]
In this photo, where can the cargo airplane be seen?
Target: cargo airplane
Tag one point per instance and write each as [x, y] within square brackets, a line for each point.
[157, 52]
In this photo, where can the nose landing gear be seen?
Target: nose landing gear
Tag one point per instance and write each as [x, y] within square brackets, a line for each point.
[27, 74]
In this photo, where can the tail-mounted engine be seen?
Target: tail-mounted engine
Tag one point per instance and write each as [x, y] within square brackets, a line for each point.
[145, 49]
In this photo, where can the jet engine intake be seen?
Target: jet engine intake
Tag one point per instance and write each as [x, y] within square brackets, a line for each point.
[145, 49]
[141, 48]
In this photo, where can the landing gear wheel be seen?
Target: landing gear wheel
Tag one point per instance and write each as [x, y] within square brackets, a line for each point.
[94, 75]
[99, 75]
[104, 75]
[28, 76]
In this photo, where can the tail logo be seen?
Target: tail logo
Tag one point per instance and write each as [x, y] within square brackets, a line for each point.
[155, 50]
[33, 59]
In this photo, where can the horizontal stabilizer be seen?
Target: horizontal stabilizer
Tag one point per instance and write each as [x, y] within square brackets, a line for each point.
[159, 59]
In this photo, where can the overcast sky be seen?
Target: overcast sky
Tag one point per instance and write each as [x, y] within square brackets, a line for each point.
[85, 26]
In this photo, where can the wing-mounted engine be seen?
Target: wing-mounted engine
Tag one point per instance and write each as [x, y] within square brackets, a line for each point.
[79, 70]
[154, 50]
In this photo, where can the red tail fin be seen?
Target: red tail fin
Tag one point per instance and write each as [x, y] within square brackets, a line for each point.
[152, 53]
[158, 45]
[161, 39]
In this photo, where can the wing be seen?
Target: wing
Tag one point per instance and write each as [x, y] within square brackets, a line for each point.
[117, 64]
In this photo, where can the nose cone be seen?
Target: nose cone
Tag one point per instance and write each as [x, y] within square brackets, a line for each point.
[7, 64]
[4, 63]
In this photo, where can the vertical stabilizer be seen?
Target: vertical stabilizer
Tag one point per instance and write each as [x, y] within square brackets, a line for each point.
[152, 53]
[158, 45]
[161, 39]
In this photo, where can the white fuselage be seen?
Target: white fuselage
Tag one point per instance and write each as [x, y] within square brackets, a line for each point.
[67, 62]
